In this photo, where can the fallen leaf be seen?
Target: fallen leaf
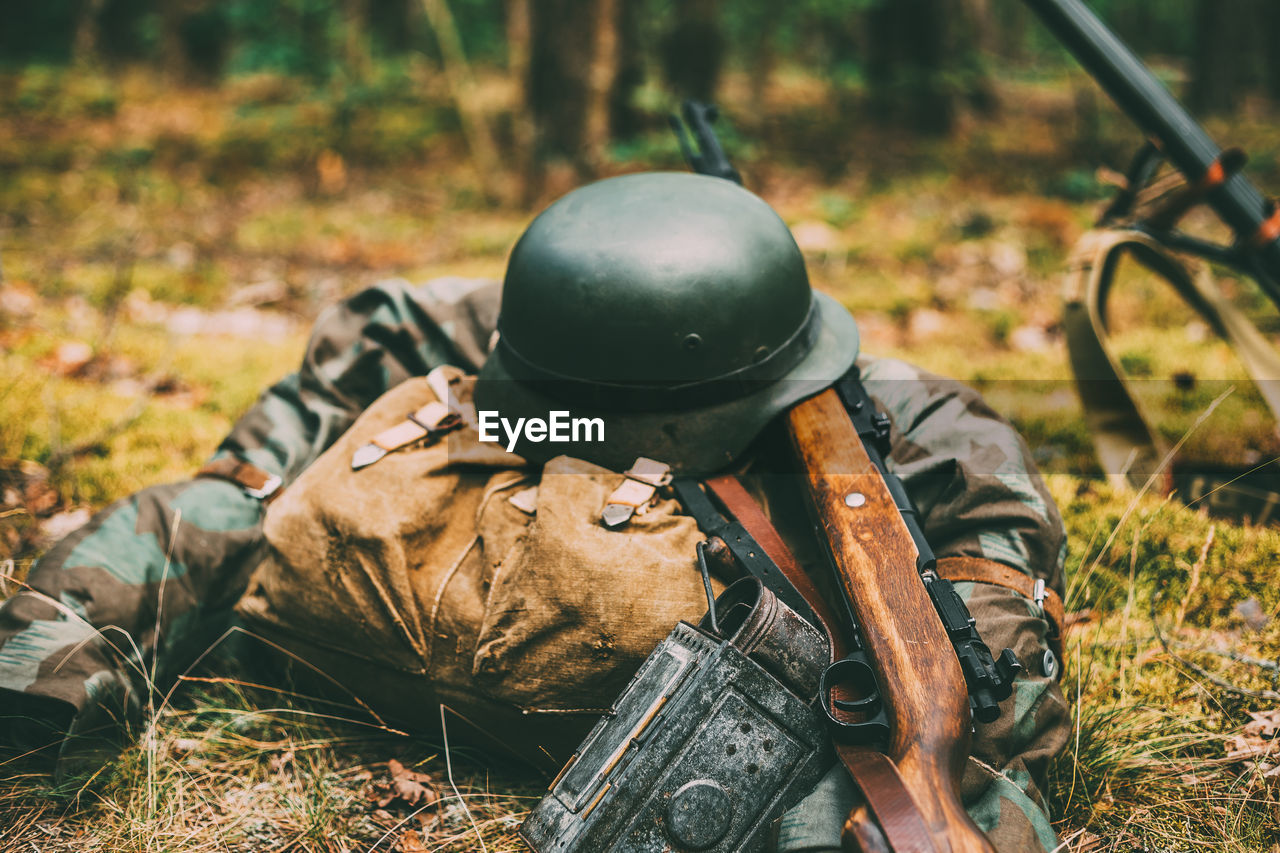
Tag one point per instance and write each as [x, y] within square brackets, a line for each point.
[1029, 339]
[405, 788]
[411, 842]
[816, 237]
[262, 293]
[925, 323]
[1251, 612]
[18, 300]
[60, 524]
[68, 357]
[1264, 724]
[1252, 748]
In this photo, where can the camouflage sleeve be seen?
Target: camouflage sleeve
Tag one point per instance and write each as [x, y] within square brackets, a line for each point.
[132, 597]
[359, 349]
[968, 471]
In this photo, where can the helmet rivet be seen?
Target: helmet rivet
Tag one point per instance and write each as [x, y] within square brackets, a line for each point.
[692, 341]
[761, 353]
[855, 499]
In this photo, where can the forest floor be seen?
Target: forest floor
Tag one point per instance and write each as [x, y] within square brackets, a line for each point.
[165, 250]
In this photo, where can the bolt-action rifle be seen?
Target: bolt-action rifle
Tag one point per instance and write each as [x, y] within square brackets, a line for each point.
[1212, 175]
[688, 759]
[912, 674]
[1142, 222]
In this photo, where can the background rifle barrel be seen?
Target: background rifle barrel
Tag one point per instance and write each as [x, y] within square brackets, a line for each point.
[1139, 94]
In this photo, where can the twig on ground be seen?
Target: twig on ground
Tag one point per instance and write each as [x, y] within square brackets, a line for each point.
[1217, 681]
[448, 766]
[1195, 576]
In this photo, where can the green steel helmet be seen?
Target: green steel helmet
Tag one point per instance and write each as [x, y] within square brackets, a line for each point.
[673, 307]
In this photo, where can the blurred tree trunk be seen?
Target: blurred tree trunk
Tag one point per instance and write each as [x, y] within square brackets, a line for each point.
[1217, 58]
[561, 32]
[624, 120]
[759, 19]
[920, 65]
[600, 76]
[457, 72]
[693, 50]
[975, 40]
[523, 132]
[926, 61]
[1270, 31]
[355, 38]
[1010, 25]
[1133, 21]
[173, 55]
[391, 23]
[518, 41]
[577, 59]
[84, 50]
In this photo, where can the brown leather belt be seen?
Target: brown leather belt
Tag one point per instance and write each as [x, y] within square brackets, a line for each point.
[874, 773]
[255, 482]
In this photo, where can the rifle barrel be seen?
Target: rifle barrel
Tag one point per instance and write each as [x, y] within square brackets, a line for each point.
[1159, 114]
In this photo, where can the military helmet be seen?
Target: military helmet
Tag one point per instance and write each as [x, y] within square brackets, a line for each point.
[675, 308]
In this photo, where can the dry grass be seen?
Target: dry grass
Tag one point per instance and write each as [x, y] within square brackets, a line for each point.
[155, 260]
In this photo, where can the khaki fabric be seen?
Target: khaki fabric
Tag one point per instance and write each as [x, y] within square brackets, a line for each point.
[416, 581]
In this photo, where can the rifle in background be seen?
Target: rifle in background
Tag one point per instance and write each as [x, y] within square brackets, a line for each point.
[1212, 175]
[1141, 222]
[709, 158]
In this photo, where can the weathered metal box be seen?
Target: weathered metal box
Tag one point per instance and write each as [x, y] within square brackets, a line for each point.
[704, 751]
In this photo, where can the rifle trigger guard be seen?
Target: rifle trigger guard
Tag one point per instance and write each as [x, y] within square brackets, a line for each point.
[855, 672]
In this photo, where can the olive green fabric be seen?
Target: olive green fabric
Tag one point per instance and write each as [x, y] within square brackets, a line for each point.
[967, 470]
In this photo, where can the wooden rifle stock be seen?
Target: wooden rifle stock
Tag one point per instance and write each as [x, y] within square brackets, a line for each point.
[920, 680]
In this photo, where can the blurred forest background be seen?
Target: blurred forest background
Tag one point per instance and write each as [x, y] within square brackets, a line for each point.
[184, 185]
[584, 76]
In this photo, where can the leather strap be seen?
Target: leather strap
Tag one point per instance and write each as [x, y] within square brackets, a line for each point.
[873, 772]
[975, 569]
[729, 490]
[256, 482]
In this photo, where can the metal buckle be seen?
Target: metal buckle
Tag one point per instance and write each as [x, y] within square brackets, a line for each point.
[266, 490]
[1038, 594]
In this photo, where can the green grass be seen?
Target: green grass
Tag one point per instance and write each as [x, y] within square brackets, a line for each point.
[167, 213]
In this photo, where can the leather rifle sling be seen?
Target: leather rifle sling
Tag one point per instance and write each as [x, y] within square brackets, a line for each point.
[958, 569]
[874, 772]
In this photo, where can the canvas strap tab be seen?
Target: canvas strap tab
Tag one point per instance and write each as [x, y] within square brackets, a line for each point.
[433, 417]
[255, 482]
[641, 483]
[975, 569]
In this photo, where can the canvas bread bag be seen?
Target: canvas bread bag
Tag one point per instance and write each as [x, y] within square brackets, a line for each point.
[419, 580]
